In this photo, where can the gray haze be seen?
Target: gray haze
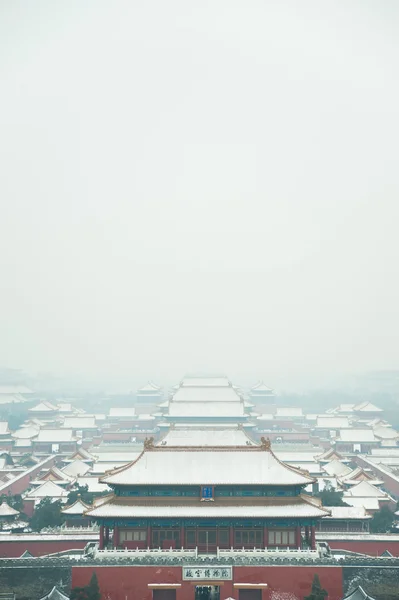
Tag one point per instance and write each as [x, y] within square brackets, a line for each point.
[199, 186]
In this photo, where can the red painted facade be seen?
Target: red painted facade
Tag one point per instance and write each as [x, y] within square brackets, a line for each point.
[132, 582]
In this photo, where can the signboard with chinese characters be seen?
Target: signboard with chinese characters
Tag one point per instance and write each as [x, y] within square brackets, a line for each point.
[204, 573]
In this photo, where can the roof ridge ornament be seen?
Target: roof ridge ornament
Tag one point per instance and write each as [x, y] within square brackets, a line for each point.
[265, 443]
[149, 443]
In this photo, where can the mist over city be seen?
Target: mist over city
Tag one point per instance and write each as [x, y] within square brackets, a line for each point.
[199, 376]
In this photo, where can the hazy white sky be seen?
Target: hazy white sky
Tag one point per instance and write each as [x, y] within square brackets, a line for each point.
[193, 185]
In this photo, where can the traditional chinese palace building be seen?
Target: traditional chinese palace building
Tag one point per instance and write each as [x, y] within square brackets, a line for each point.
[205, 401]
[207, 497]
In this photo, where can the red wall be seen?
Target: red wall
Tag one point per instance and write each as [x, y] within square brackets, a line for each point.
[20, 484]
[390, 484]
[372, 548]
[13, 549]
[131, 583]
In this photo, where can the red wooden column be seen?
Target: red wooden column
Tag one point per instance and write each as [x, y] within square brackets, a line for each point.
[182, 543]
[313, 537]
[298, 539]
[101, 544]
[149, 541]
[265, 537]
[115, 541]
[231, 537]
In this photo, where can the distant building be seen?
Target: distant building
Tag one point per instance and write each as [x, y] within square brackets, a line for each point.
[149, 394]
[260, 393]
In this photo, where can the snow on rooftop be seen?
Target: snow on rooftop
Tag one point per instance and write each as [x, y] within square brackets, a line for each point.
[150, 387]
[55, 594]
[386, 433]
[332, 422]
[289, 411]
[48, 489]
[44, 406]
[205, 382]
[76, 468]
[367, 407]
[364, 489]
[25, 433]
[55, 436]
[77, 508]
[348, 512]
[251, 465]
[7, 511]
[83, 422]
[356, 435]
[211, 409]
[261, 387]
[296, 508]
[337, 468]
[223, 436]
[369, 503]
[123, 411]
[93, 485]
[206, 394]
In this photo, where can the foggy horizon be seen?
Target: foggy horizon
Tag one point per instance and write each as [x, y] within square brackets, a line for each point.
[199, 187]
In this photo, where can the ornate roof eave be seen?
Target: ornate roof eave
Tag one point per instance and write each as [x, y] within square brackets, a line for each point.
[149, 446]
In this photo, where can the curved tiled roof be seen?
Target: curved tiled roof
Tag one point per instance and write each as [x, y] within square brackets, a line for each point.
[221, 465]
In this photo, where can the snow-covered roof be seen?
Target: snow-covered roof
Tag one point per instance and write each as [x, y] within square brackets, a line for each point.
[358, 594]
[212, 409]
[364, 489]
[93, 485]
[289, 411]
[386, 433]
[123, 411]
[65, 407]
[265, 417]
[77, 508]
[252, 465]
[55, 594]
[329, 454]
[272, 508]
[119, 457]
[50, 489]
[348, 512]
[55, 436]
[81, 454]
[76, 468]
[57, 474]
[4, 428]
[206, 394]
[23, 443]
[44, 406]
[356, 435]
[83, 422]
[367, 407]
[371, 504]
[25, 433]
[218, 381]
[337, 468]
[150, 387]
[7, 511]
[332, 422]
[261, 387]
[223, 436]
[342, 408]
